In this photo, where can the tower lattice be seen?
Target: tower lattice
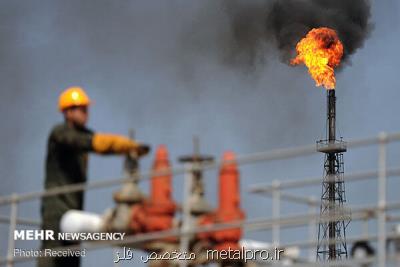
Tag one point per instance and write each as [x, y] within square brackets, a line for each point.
[334, 218]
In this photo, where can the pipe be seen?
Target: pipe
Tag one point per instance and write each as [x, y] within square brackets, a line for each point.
[331, 109]
[157, 213]
[77, 221]
[331, 98]
[229, 202]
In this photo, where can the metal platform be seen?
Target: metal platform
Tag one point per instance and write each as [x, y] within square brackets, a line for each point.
[336, 146]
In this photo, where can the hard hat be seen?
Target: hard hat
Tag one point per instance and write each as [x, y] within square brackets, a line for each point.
[73, 96]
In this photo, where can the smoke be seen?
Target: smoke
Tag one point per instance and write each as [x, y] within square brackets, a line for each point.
[282, 23]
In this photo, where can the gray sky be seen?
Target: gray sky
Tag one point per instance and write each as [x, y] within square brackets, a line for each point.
[148, 65]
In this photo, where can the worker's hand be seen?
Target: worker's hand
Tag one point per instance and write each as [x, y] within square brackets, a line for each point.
[111, 143]
[143, 149]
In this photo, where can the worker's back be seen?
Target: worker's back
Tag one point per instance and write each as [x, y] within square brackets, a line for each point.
[66, 163]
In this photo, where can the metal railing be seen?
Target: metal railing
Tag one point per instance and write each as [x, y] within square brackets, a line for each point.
[275, 223]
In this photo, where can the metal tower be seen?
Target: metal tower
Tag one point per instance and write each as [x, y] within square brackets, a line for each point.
[332, 231]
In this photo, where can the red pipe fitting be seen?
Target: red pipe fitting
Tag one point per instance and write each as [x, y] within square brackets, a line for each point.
[229, 206]
[156, 213]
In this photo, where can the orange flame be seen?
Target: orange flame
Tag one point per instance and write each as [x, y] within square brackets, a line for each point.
[321, 51]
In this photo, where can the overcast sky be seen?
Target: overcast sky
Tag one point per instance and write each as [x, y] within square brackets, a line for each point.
[148, 65]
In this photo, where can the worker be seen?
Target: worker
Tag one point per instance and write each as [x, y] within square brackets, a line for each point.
[66, 163]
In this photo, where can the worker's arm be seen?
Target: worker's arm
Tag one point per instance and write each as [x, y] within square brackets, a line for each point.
[113, 144]
[101, 143]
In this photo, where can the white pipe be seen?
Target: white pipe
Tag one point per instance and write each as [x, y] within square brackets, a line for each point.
[382, 200]
[13, 225]
[186, 214]
[276, 210]
[77, 221]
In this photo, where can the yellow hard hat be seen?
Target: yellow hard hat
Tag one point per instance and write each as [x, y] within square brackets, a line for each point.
[73, 96]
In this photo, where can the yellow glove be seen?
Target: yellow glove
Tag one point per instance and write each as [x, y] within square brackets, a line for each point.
[111, 143]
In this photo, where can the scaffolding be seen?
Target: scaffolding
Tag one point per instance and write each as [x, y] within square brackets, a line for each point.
[381, 211]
